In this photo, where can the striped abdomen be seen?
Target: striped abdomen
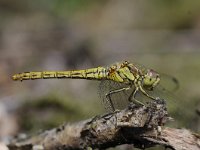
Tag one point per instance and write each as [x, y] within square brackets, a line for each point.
[90, 74]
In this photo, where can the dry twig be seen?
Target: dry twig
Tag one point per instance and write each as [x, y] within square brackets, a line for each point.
[137, 125]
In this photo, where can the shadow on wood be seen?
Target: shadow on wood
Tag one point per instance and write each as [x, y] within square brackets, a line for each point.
[137, 125]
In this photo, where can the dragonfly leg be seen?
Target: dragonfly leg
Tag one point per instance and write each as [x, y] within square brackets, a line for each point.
[132, 97]
[146, 94]
[133, 94]
[108, 96]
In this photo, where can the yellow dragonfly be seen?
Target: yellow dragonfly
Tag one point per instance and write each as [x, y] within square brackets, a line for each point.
[124, 77]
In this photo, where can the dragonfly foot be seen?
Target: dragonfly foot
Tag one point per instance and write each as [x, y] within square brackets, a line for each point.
[116, 111]
[157, 98]
[138, 102]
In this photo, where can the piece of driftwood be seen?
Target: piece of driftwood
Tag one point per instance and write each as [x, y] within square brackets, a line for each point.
[136, 125]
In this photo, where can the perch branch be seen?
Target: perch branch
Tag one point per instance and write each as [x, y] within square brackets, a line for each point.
[137, 125]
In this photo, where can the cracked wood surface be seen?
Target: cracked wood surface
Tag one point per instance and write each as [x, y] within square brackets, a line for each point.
[137, 125]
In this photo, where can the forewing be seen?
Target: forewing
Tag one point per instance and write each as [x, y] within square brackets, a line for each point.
[178, 107]
[119, 99]
[169, 83]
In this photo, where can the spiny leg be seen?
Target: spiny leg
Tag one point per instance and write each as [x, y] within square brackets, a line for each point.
[137, 84]
[133, 95]
[110, 102]
[108, 96]
[145, 93]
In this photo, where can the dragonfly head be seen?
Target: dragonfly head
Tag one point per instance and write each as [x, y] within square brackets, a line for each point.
[151, 79]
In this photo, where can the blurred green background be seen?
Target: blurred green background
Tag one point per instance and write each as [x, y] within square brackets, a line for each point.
[77, 34]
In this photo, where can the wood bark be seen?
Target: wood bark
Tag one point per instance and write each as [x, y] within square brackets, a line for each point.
[141, 126]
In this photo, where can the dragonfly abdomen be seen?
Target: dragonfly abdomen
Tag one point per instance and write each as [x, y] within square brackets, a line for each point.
[91, 74]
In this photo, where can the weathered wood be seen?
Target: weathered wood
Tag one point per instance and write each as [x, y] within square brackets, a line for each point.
[137, 125]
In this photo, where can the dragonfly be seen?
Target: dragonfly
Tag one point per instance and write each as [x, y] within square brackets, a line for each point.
[121, 77]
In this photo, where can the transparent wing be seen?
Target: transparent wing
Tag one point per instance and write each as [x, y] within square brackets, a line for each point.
[166, 90]
[169, 83]
[178, 107]
[119, 100]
